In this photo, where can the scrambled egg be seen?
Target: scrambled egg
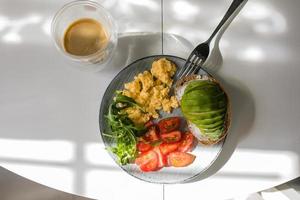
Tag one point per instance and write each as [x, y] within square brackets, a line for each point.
[151, 91]
[163, 70]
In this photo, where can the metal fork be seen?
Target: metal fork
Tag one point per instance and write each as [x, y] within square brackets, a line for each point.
[200, 53]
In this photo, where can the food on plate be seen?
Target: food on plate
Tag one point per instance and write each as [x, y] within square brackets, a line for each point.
[143, 146]
[122, 129]
[206, 106]
[171, 137]
[150, 90]
[187, 143]
[169, 124]
[148, 161]
[180, 159]
[149, 124]
[151, 135]
[141, 138]
[167, 148]
[163, 70]
[162, 159]
[129, 115]
[158, 149]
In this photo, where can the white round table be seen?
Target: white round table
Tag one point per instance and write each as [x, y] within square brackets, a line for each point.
[49, 109]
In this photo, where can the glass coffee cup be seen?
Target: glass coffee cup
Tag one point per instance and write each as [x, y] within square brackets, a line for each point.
[85, 32]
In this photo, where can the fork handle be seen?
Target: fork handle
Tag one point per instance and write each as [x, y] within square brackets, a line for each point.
[234, 5]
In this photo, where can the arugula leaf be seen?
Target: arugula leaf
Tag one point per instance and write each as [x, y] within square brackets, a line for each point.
[123, 130]
[125, 101]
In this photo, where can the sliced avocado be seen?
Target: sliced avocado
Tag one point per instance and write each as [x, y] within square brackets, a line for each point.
[221, 126]
[203, 99]
[202, 94]
[204, 103]
[204, 107]
[197, 84]
[210, 126]
[214, 135]
[205, 115]
[209, 121]
[207, 90]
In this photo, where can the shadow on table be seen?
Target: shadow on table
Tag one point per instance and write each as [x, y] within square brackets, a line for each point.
[133, 46]
[243, 115]
[14, 187]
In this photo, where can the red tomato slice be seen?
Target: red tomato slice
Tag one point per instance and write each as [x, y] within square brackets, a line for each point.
[150, 162]
[143, 147]
[151, 135]
[166, 148]
[146, 158]
[162, 159]
[187, 142]
[169, 124]
[150, 166]
[149, 124]
[171, 137]
[180, 159]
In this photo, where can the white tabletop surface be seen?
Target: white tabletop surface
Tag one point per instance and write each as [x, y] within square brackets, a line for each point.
[49, 128]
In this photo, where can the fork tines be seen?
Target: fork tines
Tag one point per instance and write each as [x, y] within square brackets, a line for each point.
[191, 66]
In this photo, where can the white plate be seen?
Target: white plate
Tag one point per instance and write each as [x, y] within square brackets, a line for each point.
[205, 155]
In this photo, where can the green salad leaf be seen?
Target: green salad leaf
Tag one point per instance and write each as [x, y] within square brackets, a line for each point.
[122, 129]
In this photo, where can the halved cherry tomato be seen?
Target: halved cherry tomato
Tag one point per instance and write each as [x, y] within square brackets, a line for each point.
[162, 159]
[147, 161]
[169, 124]
[149, 124]
[151, 135]
[180, 159]
[143, 147]
[143, 158]
[187, 142]
[166, 148]
[150, 166]
[171, 137]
